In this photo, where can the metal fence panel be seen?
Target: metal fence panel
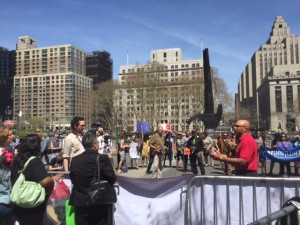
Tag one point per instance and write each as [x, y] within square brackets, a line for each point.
[236, 200]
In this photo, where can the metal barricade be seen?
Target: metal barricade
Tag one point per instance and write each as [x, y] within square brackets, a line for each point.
[286, 211]
[236, 200]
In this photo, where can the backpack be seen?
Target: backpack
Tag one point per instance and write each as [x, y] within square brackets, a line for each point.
[27, 194]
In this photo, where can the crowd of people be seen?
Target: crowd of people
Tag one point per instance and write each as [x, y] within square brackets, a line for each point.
[12, 160]
[193, 148]
[236, 151]
[77, 153]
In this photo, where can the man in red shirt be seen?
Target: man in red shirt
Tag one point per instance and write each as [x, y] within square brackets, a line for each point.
[245, 160]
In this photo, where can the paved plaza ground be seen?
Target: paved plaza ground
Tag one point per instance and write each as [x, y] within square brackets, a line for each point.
[172, 171]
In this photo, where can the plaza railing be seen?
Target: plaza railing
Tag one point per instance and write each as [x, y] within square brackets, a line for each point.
[237, 200]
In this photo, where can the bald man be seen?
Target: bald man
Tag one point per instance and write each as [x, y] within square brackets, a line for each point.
[157, 147]
[245, 160]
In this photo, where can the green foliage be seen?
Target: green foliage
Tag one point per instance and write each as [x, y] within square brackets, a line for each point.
[36, 122]
[22, 133]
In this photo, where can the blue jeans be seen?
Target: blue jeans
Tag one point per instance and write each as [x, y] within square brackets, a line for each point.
[6, 217]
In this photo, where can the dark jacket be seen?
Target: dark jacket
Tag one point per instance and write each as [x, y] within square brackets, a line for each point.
[196, 145]
[82, 171]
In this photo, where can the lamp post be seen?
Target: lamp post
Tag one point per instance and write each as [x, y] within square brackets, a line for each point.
[8, 112]
[288, 118]
[19, 115]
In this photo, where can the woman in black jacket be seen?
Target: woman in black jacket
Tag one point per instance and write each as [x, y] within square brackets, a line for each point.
[35, 171]
[82, 171]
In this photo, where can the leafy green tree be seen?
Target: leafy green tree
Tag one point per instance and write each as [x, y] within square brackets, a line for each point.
[36, 122]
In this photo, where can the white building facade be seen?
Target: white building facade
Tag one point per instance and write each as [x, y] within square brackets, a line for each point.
[166, 90]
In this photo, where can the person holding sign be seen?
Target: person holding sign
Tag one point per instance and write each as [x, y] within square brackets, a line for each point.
[283, 143]
[133, 151]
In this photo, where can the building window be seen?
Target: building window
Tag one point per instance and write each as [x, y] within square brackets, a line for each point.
[289, 98]
[298, 98]
[278, 99]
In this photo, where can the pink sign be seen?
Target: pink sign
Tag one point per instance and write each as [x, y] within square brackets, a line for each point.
[9, 123]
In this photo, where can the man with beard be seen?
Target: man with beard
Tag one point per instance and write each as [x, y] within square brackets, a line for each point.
[245, 160]
[72, 143]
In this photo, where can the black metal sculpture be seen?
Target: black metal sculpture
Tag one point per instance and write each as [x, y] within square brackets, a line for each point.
[209, 118]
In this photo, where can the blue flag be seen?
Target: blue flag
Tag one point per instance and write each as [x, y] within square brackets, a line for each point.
[281, 154]
[142, 126]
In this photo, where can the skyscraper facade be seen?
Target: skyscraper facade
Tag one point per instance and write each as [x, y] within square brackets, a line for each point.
[99, 66]
[50, 83]
[7, 71]
[269, 87]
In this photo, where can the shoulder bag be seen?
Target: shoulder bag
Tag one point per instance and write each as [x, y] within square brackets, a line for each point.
[27, 194]
[101, 192]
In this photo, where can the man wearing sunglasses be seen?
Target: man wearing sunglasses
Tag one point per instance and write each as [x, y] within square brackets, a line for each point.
[245, 160]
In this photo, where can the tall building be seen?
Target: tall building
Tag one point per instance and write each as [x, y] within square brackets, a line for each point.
[7, 71]
[50, 83]
[268, 89]
[168, 90]
[99, 66]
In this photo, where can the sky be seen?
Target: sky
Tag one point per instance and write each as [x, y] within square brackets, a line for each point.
[232, 30]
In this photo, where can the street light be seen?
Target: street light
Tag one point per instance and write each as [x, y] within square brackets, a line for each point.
[288, 118]
[8, 112]
[19, 115]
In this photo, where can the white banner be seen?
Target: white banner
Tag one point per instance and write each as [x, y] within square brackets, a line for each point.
[150, 201]
[210, 199]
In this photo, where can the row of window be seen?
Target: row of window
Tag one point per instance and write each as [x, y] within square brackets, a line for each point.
[172, 67]
[289, 98]
[61, 50]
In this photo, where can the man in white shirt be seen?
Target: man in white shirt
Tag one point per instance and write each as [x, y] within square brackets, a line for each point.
[72, 143]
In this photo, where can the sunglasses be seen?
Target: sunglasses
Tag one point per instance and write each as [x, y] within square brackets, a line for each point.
[238, 125]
